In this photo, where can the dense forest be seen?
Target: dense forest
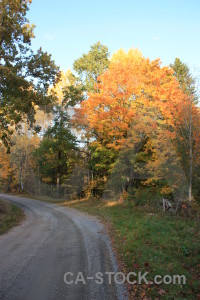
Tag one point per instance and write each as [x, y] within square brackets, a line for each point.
[117, 126]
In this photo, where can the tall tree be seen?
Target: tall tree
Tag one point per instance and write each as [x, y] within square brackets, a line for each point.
[133, 108]
[88, 68]
[184, 77]
[91, 65]
[56, 154]
[24, 76]
[186, 130]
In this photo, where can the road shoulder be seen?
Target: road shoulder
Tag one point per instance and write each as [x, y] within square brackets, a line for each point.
[10, 216]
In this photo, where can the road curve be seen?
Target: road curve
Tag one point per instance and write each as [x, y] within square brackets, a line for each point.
[53, 240]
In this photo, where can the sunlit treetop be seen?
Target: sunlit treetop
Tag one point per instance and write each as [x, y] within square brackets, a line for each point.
[135, 55]
[58, 89]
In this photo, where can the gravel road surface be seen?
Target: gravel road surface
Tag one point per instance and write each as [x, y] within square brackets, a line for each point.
[53, 240]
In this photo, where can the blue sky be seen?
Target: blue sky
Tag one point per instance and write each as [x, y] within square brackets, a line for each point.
[159, 28]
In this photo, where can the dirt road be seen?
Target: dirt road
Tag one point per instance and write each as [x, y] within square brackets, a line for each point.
[52, 241]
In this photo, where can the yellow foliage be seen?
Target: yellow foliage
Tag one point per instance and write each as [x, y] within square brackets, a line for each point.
[62, 83]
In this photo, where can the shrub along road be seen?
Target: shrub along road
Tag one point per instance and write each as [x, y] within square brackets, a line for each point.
[53, 240]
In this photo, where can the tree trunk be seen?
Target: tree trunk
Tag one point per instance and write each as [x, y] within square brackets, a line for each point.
[58, 174]
[38, 181]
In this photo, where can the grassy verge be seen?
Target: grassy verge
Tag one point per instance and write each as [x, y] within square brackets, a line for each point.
[10, 215]
[159, 244]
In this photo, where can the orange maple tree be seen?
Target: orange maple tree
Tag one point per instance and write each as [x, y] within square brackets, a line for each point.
[135, 99]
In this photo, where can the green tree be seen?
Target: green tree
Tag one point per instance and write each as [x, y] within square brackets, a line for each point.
[184, 77]
[24, 76]
[88, 68]
[186, 133]
[57, 154]
[91, 65]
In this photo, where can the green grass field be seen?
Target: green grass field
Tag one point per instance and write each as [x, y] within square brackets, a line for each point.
[10, 215]
[156, 243]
